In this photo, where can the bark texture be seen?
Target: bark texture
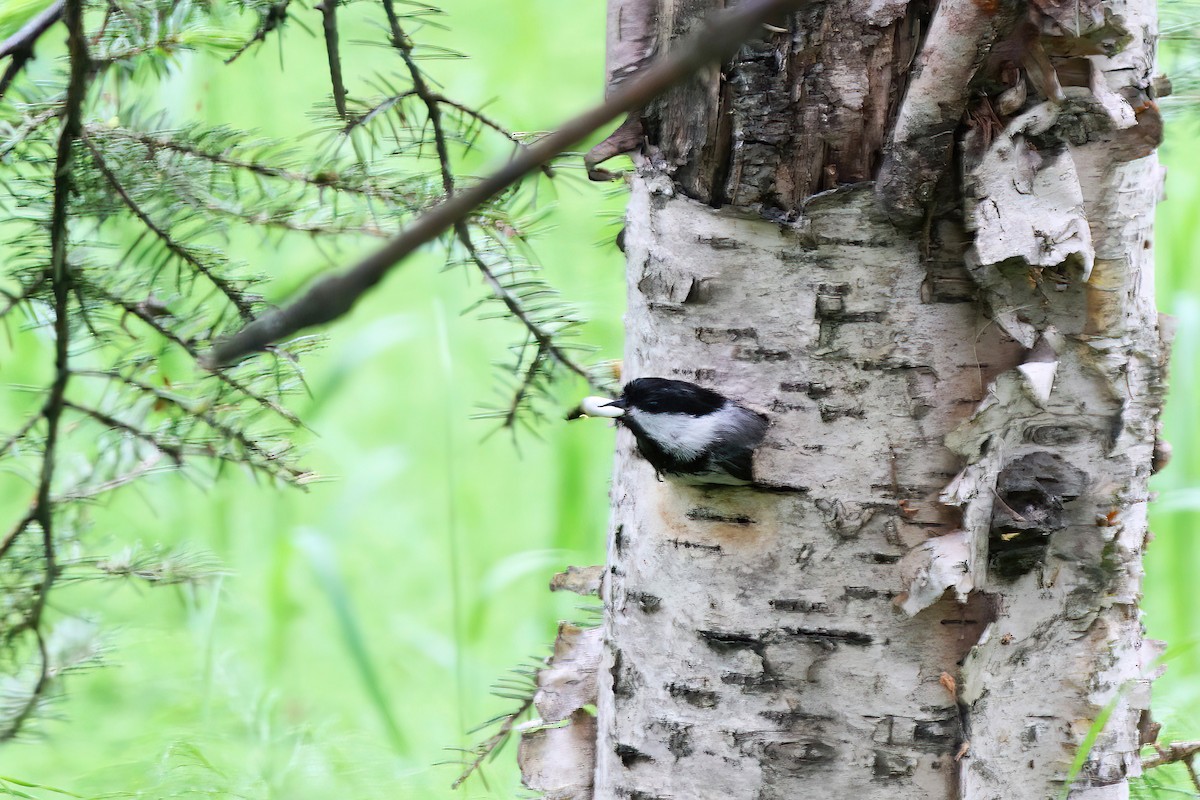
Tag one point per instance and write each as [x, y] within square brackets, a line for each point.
[932, 591]
[805, 108]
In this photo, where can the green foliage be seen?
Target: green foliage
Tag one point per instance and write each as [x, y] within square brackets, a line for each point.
[195, 203]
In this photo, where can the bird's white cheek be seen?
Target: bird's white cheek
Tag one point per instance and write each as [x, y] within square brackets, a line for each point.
[681, 435]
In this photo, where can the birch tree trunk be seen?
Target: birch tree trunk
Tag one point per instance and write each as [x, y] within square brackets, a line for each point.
[920, 241]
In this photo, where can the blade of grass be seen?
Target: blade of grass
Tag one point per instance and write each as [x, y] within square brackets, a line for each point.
[323, 563]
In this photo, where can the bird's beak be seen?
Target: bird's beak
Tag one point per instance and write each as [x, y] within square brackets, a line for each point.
[598, 407]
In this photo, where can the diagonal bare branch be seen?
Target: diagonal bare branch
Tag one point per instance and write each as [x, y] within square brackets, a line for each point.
[333, 296]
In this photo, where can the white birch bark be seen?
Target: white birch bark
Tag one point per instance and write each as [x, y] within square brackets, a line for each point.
[933, 593]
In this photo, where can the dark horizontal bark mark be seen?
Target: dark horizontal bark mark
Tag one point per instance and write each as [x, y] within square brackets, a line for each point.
[780, 488]
[897, 490]
[889, 365]
[831, 636]
[1055, 435]
[815, 391]
[686, 545]
[799, 757]
[630, 755]
[638, 794]
[803, 606]
[834, 311]
[700, 698]
[792, 719]
[725, 335]
[831, 413]
[702, 514]
[720, 242]
[761, 683]
[760, 354]
[731, 642]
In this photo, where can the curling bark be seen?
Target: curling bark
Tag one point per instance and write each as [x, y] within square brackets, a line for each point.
[930, 261]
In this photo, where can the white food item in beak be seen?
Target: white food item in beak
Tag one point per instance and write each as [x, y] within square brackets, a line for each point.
[599, 407]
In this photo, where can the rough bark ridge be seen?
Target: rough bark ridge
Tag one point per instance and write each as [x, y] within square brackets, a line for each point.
[970, 408]
[804, 109]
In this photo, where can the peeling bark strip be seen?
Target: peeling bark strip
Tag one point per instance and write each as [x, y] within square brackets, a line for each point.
[558, 761]
[960, 37]
[557, 750]
[970, 408]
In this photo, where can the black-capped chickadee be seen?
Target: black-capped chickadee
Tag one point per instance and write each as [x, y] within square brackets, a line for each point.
[685, 431]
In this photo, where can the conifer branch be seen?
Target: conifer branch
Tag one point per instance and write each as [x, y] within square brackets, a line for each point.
[14, 300]
[19, 434]
[140, 311]
[52, 411]
[80, 493]
[318, 180]
[109, 421]
[328, 9]
[29, 127]
[276, 15]
[15, 532]
[259, 458]
[38, 690]
[523, 689]
[20, 45]
[234, 295]
[488, 122]
[432, 102]
[382, 107]
[286, 222]
[526, 385]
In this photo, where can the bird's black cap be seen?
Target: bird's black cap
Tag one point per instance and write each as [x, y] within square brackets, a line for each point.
[666, 396]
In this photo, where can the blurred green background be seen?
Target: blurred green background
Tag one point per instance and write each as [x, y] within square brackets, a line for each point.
[350, 643]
